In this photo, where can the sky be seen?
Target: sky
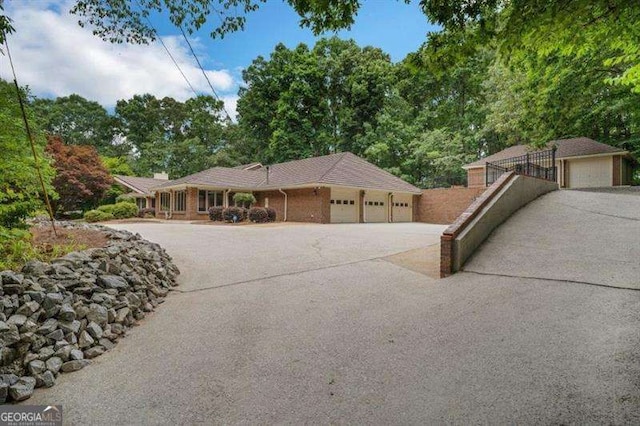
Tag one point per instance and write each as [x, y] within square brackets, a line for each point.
[55, 57]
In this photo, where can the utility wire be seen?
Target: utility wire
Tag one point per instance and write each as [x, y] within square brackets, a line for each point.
[168, 52]
[204, 73]
[30, 137]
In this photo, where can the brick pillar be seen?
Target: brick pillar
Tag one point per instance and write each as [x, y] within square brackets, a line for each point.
[446, 255]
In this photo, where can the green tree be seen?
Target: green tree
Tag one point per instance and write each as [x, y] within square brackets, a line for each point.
[77, 121]
[20, 193]
[306, 102]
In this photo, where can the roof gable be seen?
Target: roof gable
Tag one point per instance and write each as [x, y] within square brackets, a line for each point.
[140, 185]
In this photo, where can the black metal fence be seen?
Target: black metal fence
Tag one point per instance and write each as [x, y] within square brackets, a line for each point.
[539, 164]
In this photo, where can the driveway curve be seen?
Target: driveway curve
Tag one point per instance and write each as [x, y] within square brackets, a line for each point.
[310, 324]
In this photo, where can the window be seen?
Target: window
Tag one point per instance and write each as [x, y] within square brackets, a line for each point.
[352, 202]
[382, 203]
[141, 203]
[345, 201]
[338, 201]
[333, 201]
[165, 202]
[180, 201]
[208, 199]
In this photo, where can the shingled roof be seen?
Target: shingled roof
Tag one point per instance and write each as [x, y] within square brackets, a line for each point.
[566, 148]
[343, 169]
[140, 185]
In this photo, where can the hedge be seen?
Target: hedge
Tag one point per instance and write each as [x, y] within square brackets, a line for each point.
[124, 198]
[258, 215]
[215, 213]
[234, 214]
[97, 216]
[271, 213]
[124, 210]
[147, 212]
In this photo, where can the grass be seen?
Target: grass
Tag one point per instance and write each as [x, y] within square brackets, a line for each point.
[18, 246]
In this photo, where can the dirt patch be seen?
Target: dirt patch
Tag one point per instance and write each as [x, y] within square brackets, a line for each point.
[424, 260]
[73, 239]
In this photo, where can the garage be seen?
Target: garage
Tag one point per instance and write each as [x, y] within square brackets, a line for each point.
[344, 205]
[590, 172]
[402, 207]
[375, 207]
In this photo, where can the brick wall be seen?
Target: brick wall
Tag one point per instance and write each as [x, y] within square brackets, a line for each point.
[444, 205]
[476, 178]
[304, 205]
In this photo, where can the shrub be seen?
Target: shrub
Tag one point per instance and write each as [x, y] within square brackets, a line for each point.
[97, 216]
[244, 199]
[124, 198]
[147, 212]
[215, 213]
[239, 213]
[258, 215]
[271, 213]
[124, 210]
[107, 208]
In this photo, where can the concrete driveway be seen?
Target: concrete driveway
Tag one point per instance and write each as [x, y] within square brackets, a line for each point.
[314, 324]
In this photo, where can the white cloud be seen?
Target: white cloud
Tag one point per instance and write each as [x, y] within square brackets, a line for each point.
[56, 57]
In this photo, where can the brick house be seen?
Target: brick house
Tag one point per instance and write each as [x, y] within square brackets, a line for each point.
[580, 163]
[140, 188]
[337, 188]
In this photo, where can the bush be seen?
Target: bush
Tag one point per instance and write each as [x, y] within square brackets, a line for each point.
[124, 198]
[107, 208]
[147, 212]
[240, 214]
[271, 213]
[97, 216]
[124, 210]
[215, 213]
[244, 199]
[258, 215]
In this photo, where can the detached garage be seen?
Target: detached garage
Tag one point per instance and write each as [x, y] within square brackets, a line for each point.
[580, 163]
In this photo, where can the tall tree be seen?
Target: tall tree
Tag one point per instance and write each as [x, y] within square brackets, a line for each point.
[78, 121]
[306, 102]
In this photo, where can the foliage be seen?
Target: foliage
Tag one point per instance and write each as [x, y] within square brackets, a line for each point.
[78, 121]
[124, 210]
[307, 102]
[124, 198]
[97, 216]
[17, 247]
[19, 186]
[117, 165]
[179, 137]
[215, 213]
[81, 179]
[258, 215]
[271, 214]
[243, 199]
[234, 214]
[106, 208]
[147, 212]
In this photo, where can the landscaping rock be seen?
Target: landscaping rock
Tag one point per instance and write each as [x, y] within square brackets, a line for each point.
[113, 281]
[22, 389]
[74, 365]
[54, 364]
[56, 316]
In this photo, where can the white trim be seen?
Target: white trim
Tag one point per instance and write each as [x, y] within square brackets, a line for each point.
[277, 188]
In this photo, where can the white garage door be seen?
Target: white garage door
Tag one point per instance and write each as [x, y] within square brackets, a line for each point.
[402, 208]
[590, 172]
[344, 205]
[375, 207]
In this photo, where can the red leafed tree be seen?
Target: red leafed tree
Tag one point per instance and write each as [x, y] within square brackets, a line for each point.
[81, 178]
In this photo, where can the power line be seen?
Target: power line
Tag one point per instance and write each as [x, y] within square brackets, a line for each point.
[204, 73]
[168, 52]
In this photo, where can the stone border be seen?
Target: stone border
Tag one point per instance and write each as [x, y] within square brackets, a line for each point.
[55, 317]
